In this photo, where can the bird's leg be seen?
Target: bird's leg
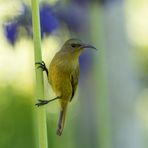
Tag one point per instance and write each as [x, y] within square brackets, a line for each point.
[43, 102]
[42, 65]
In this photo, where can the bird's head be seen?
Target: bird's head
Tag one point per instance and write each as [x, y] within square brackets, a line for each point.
[75, 46]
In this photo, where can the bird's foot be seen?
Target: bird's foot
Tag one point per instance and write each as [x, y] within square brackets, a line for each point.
[59, 132]
[42, 102]
[42, 65]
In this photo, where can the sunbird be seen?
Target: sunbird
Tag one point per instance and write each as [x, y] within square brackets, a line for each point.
[63, 76]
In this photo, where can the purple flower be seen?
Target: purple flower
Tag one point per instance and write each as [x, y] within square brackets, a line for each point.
[48, 20]
[23, 20]
[11, 31]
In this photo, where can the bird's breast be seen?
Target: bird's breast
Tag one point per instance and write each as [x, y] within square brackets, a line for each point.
[60, 71]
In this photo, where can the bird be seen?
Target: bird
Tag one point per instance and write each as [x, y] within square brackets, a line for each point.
[63, 76]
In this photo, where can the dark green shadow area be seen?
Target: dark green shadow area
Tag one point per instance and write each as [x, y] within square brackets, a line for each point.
[16, 123]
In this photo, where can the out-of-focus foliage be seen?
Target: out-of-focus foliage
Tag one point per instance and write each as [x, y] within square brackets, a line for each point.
[16, 112]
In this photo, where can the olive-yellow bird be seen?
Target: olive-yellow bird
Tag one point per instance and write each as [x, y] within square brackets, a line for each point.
[63, 75]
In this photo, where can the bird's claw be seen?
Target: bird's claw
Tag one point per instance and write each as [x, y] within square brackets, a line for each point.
[41, 102]
[42, 65]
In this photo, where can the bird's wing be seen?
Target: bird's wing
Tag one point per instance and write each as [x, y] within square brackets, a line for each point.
[74, 81]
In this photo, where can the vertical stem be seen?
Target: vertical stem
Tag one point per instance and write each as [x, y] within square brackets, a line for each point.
[41, 113]
[105, 140]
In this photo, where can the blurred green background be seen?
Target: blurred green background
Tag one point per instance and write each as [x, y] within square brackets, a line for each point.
[110, 107]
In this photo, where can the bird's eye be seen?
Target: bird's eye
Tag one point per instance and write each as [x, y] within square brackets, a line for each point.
[75, 45]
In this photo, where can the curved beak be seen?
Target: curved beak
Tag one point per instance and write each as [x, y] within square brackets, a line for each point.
[87, 46]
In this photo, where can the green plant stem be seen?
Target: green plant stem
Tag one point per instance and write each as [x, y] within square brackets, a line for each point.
[104, 123]
[41, 113]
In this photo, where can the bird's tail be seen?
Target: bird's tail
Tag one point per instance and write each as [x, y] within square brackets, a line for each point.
[61, 121]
